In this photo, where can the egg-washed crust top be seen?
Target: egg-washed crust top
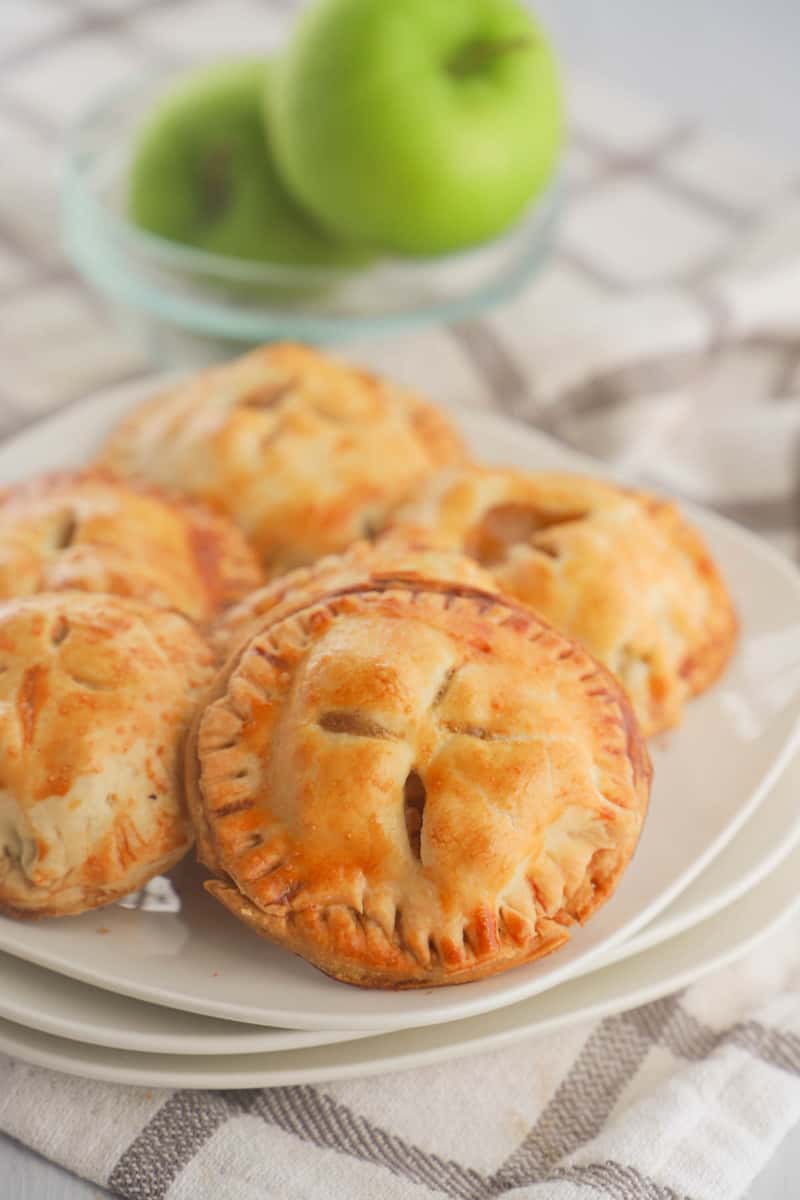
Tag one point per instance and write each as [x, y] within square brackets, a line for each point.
[620, 571]
[90, 531]
[305, 453]
[415, 784]
[96, 694]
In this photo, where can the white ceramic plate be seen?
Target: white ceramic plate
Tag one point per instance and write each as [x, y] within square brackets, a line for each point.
[644, 977]
[40, 999]
[52, 1003]
[715, 771]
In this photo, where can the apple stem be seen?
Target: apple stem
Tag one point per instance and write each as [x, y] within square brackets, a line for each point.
[480, 54]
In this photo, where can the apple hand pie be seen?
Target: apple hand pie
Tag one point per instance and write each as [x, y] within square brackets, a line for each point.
[96, 693]
[620, 571]
[306, 454]
[92, 532]
[415, 783]
[380, 562]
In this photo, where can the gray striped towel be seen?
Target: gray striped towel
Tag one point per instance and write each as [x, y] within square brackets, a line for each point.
[683, 1099]
[663, 336]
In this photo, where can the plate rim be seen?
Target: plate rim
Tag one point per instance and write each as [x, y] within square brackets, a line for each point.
[26, 1044]
[245, 1039]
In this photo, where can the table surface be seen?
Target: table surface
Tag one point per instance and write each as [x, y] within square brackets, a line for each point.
[723, 66]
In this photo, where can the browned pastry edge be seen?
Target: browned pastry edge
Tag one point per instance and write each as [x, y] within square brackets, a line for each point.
[552, 936]
[191, 766]
[378, 563]
[704, 665]
[102, 897]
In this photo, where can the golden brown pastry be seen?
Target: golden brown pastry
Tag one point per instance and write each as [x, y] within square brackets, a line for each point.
[92, 532]
[95, 696]
[415, 784]
[306, 454]
[377, 562]
[620, 571]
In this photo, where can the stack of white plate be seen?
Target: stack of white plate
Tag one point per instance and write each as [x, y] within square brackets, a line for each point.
[168, 990]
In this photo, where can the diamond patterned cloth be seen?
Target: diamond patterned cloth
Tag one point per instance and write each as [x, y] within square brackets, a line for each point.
[663, 336]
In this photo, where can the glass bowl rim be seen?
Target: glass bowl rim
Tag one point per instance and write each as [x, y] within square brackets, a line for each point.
[112, 230]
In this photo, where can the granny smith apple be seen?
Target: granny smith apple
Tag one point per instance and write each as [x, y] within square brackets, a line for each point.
[420, 126]
[203, 174]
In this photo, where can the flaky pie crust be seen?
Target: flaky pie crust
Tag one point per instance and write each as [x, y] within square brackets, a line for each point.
[620, 571]
[90, 531]
[417, 784]
[96, 694]
[305, 453]
[364, 563]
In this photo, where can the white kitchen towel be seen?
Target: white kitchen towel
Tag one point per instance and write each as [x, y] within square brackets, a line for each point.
[663, 336]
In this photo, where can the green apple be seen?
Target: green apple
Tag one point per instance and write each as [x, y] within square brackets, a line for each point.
[203, 175]
[419, 126]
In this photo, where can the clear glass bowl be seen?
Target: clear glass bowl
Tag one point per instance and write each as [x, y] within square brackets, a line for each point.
[192, 304]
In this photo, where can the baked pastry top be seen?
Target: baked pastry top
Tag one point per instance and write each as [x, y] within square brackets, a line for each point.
[620, 571]
[306, 454]
[93, 532]
[381, 562]
[415, 784]
[95, 696]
